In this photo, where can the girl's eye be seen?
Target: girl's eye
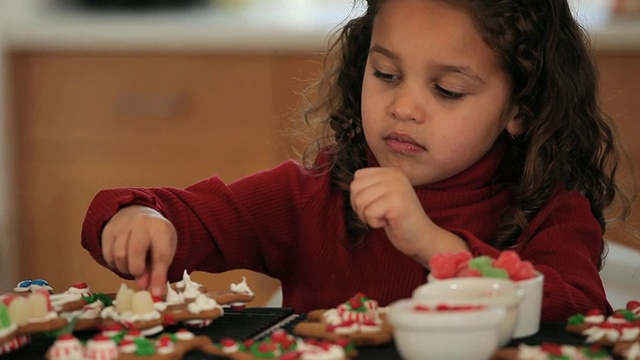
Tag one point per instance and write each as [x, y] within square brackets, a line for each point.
[385, 77]
[448, 94]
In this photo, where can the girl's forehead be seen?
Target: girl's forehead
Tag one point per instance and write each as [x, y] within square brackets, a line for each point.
[431, 31]
[425, 23]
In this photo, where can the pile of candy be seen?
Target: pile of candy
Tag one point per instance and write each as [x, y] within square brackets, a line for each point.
[508, 265]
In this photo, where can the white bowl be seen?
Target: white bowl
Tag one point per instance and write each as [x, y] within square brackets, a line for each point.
[480, 290]
[528, 322]
[451, 334]
[531, 307]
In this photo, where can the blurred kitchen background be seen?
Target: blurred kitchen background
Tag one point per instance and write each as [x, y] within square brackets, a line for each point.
[108, 93]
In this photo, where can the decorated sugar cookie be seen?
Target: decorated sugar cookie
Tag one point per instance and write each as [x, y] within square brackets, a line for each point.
[359, 319]
[238, 295]
[623, 325]
[551, 351]
[284, 346]
[134, 309]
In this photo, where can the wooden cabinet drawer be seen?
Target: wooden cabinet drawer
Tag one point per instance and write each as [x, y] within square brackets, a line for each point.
[83, 122]
[619, 91]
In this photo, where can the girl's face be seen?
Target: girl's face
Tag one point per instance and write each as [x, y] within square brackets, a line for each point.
[434, 98]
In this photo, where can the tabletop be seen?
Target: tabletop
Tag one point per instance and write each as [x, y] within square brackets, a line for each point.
[256, 323]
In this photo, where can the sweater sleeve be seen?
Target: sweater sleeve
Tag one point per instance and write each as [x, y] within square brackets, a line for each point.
[566, 245]
[246, 224]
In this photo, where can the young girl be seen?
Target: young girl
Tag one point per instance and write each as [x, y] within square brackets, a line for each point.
[453, 125]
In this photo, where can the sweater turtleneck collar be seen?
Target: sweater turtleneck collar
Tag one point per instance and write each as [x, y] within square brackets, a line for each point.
[483, 172]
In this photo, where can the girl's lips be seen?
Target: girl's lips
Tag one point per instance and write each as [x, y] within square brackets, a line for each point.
[403, 143]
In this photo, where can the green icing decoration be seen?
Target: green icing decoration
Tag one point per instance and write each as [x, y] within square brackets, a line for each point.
[576, 319]
[171, 336]
[5, 321]
[255, 351]
[349, 349]
[119, 336]
[362, 308]
[144, 347]
[106, 300]
[558, 357]
[495, 273]
[68, 329]
[481, 262]
[628, 314]
[595, 352]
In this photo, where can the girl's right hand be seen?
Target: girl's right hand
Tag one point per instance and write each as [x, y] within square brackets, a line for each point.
[141, 242]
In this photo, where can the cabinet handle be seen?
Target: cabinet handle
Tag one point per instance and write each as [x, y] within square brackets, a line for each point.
[164, 106]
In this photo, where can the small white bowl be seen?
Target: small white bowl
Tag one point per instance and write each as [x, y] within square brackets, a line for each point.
[528, 322]
[450, 334]
[480, 290]
[531, 307]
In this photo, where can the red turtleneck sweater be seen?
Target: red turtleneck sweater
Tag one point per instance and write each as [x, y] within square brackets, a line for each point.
[289, 224]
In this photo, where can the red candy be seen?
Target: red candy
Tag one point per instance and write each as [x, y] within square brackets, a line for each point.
[449, 265]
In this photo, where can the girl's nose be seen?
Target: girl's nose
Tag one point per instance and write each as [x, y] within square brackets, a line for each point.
[407, 105]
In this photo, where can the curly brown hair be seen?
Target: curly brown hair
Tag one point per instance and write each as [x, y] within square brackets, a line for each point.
[539, 44]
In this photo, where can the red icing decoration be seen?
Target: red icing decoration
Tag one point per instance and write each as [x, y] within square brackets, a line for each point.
[551, 349]
[290, 356]
[342, 342]
[633, 304]
[164, 340]
[266, 347]
[9, 298]
[111, 327]
[355, 303]
[247, 343]
[445, 307]
[228, 342]
[168, 319]
[133, 331]
[66, 337]
[101, 337]
[80, 285]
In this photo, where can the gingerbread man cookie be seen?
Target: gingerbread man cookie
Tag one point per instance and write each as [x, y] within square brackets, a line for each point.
[552, 351]
[128, 345]
[623, 325]
[284, 346]
[359, 319]
[236, 297]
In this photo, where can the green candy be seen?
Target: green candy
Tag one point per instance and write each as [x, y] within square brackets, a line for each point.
[495, 273]
[481, 262]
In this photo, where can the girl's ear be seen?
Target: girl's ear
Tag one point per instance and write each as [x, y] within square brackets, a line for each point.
[516, 124]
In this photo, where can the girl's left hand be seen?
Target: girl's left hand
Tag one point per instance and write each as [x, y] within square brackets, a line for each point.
[383, 197]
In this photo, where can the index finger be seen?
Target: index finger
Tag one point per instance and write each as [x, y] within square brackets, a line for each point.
[159, 265]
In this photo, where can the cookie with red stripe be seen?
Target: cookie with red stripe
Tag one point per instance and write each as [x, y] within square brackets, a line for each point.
[359, 319]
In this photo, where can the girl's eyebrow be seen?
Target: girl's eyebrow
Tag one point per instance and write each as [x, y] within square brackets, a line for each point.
[463, 70]
[384, 51]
